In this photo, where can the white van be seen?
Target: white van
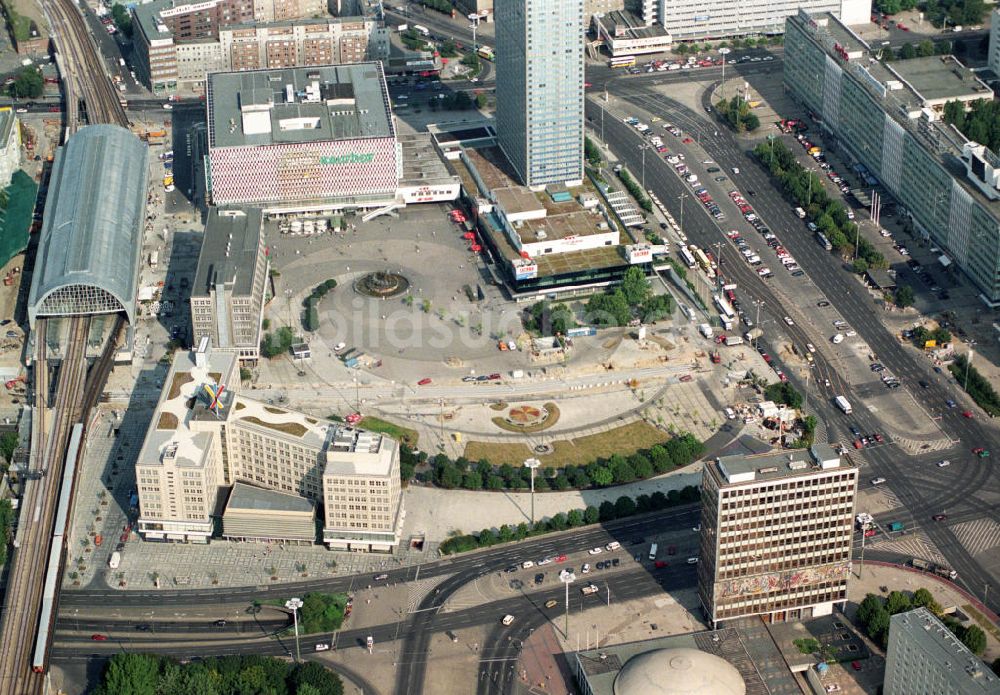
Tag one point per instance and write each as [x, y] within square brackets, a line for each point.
[613, 545]
[322, 647]
[878, 481]
[507, 619]
[801, 213]
[692, 561]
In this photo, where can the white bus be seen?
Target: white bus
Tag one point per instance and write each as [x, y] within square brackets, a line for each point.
[823, 241]
[422, 30]
[725, 308]
[687, 257]
[843, 404]
[652, 551]
[622, 62]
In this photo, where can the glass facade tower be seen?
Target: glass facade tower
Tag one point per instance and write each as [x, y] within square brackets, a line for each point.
[539, 78]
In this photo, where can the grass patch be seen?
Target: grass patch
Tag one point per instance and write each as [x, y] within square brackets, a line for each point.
[624, 440]
[239, 406]
[179, 381]
[401, 434]
[275, 411]
[981, 620]
[319, 613]
[498, 406]
[807, 645]
[168, 421]
[293, 428]
[553, 417]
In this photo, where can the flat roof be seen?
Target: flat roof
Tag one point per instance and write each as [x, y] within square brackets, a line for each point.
[319, 103]
[229, 250]
[251, 498]
[739, 469]
[170, 431]
[517, 199]
[281, 423]
[422, 164]
[942, 651]
[359, 452]
[635, 27]
[147, 16]
[938, 78]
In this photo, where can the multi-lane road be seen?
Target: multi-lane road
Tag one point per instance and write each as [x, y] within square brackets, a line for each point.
[968, 489]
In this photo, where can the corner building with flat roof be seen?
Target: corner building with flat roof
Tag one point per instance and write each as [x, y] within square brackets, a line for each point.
[889, 117]
[539, 66]
[305, 139]
[205, 438]
[776, 532]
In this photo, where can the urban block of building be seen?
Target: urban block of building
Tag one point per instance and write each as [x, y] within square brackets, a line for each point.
[888, 117]
[562, 239]
[314, 140]
[227, 295]
[539, 78]
[624, 33]
[205, 438]
[993, 54]
[926, 658]
[178, 44]
[10, 145]
[776, 533]
[693, 20]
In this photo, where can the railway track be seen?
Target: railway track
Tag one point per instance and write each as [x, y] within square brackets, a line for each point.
[86, 71]
[19, 620]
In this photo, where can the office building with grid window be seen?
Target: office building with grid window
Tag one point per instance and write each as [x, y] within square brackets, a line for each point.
[776, 534]
[539, 66]
[926, 658]
[205, 438]
[227, 296]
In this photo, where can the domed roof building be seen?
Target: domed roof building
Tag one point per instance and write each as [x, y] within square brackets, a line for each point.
[733, 660]
[679, 671]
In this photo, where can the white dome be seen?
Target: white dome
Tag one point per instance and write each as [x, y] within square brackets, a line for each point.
[678, 672]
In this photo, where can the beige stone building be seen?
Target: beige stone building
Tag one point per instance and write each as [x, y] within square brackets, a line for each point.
[205, 438]
[776, 533]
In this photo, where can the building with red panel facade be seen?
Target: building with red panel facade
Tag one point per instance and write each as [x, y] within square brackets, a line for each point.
[302, 139]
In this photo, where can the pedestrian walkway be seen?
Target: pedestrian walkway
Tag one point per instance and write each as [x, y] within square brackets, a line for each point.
[542, 666]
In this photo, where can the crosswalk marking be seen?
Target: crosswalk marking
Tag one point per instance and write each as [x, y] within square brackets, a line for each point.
[978, 536]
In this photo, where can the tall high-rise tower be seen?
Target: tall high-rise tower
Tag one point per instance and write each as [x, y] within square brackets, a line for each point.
[539, 80]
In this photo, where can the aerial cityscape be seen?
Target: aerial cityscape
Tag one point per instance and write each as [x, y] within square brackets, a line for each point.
[694, 393]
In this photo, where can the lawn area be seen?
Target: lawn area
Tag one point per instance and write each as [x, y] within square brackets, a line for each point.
[623, 440]
[397, 432]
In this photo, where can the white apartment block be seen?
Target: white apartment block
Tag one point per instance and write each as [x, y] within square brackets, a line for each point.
[993, 56]
[204, 438]
[695, 20]
[776, 535]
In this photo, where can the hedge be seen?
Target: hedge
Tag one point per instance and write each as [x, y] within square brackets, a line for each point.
[621, 508]
[616, 470]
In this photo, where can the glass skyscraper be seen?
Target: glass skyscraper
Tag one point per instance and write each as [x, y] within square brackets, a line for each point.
[539, 88]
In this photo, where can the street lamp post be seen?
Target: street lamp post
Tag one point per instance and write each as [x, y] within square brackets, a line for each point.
[531, 465]
[643, 149]
[724, 52]
[474, 25]
[294, 604]
[567, 579]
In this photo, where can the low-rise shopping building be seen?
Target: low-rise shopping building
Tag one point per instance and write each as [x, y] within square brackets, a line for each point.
[205, 438]
[623, 33]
